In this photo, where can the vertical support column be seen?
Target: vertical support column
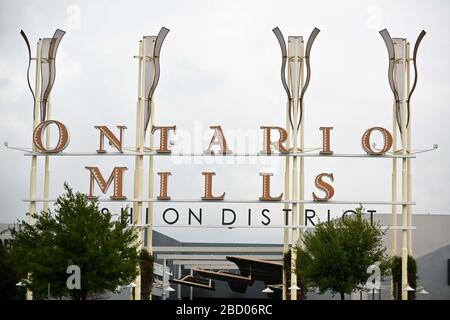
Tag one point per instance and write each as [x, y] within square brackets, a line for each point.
[408, 150]
[139, 159]
[394, 186]
[164, 285]
[148, 50]
[394, 193]
[302, 149]
[179, 285]
[151, 175]
[294, 70]
[191, 289]
[47, 158]
[37, 91]
[287, 173]
[394, 183]
[400, 47]
[33, 172]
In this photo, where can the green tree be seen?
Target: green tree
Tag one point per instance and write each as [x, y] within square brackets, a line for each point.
[146, 260]
[337, 254]
[77, 233]
[8, 275]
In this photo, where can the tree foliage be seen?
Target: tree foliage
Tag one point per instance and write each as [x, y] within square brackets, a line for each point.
[8, 275]
[77, 233]
[336, 255]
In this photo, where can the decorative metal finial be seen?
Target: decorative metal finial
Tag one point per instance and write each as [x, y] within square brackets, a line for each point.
[284, 57]
[48, 68]
[416, 48]
[22, 33]
[309, 44]
[282, 43]
[391, 52]
[150, 89]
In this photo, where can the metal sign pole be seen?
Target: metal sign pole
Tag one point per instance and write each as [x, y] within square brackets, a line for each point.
[149, 52]
[33, 173]
[287, 173]
[294, 70]
[408, 150]
[165, 281]
[37, 90]
[139, 159]
[394, 191]
[47, 158]
[302, 149]
[403, 113]
[399, 81]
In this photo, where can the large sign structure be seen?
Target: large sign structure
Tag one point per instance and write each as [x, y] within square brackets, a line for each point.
[287, 142]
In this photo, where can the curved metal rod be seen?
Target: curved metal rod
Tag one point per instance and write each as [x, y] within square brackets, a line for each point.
[309, 44]
[416, 48]
[24, 36]
[391, 52]
[51, 56]
[282, 43]
[156, 51]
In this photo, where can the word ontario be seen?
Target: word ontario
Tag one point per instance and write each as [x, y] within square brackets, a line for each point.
[218, 141]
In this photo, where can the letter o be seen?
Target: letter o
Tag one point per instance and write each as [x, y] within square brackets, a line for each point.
[344, 215]
[176, 218]
[387, 137]
[63, 137]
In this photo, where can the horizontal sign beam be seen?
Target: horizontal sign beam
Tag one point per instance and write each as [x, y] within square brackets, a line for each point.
[173, 154]
[369, 202]
[199, 262]
[212, 257]
[263, 227]
[213, 267]
[232, 249]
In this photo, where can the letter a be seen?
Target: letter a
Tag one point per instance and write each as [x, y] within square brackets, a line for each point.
[219, 136]
[74, 280]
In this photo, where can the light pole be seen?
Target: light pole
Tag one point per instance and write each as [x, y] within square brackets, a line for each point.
[132, 285]
[20, 284]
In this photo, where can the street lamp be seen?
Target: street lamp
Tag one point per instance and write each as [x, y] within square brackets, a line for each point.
[421, 290]
[169, 289]
[20, 284]
[408, 288]
[267, 290]
[132, 285]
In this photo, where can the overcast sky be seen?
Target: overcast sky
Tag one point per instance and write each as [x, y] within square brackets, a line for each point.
[220, 65]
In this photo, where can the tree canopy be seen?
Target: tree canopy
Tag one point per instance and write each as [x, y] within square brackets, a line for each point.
[76, 233]
[8, 275]
[336, 255]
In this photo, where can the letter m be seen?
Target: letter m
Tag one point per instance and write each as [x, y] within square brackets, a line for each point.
[116, 176]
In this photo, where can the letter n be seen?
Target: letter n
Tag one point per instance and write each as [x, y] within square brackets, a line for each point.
[113, 140]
